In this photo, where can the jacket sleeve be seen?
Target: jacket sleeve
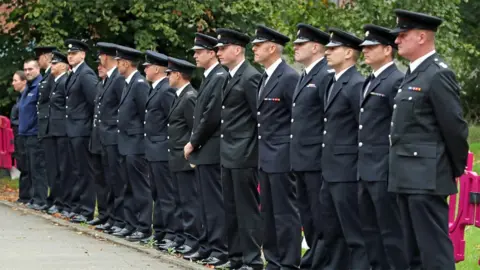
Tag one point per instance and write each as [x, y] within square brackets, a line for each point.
[88, 82]
[189, 107]
[444, 95]
[167, 100]
[210, 118]
[141, 95]
[354, 98]
[250, 88]
[118, 86]
[290, 82]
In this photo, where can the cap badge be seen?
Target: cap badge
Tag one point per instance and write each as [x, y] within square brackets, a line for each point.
[398, 20]
[219, 37]
[331, 35]
[69, 45]
[298, 32]
[255, 32]
[367, 33]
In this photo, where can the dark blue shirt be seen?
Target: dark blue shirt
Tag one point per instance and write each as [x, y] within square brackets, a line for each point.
[27, 109]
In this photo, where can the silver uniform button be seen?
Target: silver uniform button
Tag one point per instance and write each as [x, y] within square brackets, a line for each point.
[258, 113]
[291, 120]
[361, 109]
[391, 124]
[168, 125]
[291, 136]
[118, 130]
[409, 98]
[394, 106]
[66, 116]
[324, 132]
[221, 121]
[223, 107]
[415, 153]
[360, 127]
[118, 120]
[259, 137]
[66, 107]
[146, 111]
[221, 135]
[324, 119]
[294, 104]
[360, 144]
[399, 90]
[258, 125]
[144, 122]
[144, 134]
[99, 121]
[323, 145]
[168, 150]
[168, 137]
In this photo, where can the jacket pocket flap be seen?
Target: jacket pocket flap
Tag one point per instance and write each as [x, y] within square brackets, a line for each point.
[345, 149]
[158, 138]
[280, 139]
[133, 131]
[311, 141]
[412, 150]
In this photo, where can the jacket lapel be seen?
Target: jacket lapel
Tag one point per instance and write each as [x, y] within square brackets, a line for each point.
[71, 80]
[111, 79]
[233, 81]
[154, 91]
[338, 86]
[309, 77]
[376, 82]
[272, 82]
[420, 68]
[178, 99]
[126, 89]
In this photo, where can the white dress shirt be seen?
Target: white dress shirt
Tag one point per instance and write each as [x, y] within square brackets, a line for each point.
[416, 63]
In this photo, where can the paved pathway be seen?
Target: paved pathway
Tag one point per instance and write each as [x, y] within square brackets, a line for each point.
[31, 242]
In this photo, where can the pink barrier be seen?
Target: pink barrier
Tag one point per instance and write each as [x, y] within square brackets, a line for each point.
[6, 143]
[463, 209]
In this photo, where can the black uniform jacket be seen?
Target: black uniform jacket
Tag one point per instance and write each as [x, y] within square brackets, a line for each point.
[274, 106]
[107, 103]
[131, 114]
[81, 89]
[238, 124]
[307, 119]
[57, 121]
[157, 108]
[206, 118]
[180, 124]
[340, 144]
[376, 110]
[428, 133]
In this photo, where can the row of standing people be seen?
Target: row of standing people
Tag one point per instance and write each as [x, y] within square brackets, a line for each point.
[363, 165]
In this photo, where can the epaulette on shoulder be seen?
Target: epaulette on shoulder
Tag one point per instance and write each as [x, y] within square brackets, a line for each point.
[140, 80]
[220, 73]
[331, 70]
[440, 63]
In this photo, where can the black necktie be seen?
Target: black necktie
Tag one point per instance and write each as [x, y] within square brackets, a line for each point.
[408, 72]
[229, 77]
[304, 74]
[264, 82]
[330, 89]
[369, 79]
[105, 81]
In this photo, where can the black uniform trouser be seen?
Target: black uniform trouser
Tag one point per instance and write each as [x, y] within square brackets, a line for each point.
[242, 214]
[425, 227]
[138, 197]
[57, 167]
[382, 229]
[83, 191]
[342, 226]
[212, 213]
[25, 188]
[189, 205]
[116, 184]
[102, 189]
[164, 222]
[308, 188]
[35, 158]
[282, 229]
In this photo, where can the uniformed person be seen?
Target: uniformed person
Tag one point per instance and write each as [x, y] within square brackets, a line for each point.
[56, 142]
[80, 95]
[44, 56]
[239, 152]
[28, 129]
[131, 114]
[428, 143]
[203, 151]
[25, 192]
[180, 124]
[339, 197]
[282, 229]
[99, 174]
[307, 132]
[379, 211]
[166, 216]
[106, 111]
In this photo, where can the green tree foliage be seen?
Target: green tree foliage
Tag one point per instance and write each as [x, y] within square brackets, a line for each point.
[169, 26]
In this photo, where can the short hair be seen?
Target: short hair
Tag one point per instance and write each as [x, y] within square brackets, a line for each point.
[21, 75]
[280, 48]
[186, 76]
[35, 62]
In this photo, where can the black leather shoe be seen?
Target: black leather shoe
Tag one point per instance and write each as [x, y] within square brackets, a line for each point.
[184, 249]
[149, 240]
[103, 227]
[79, 219]
[137, 236]
[195, 257]
[71, 215]
[217, 262]
[113, 229]
[167, 244]
[38, 207]
[53, 210]
[123, 233]
[96, 221]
